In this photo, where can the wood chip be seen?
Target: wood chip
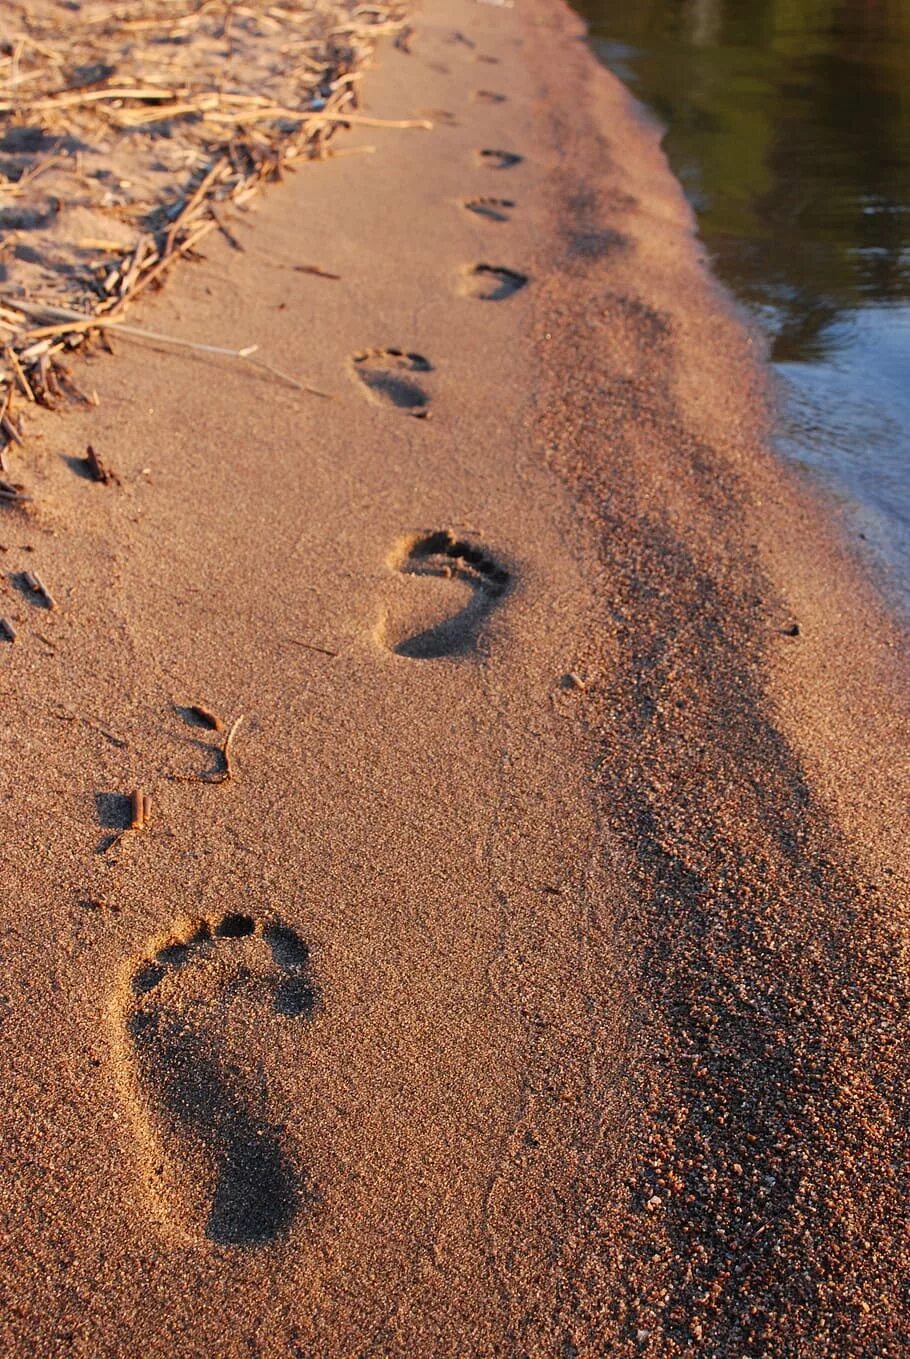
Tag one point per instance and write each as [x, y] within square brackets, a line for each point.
[37, 587]
[97, 469]
[140, 809]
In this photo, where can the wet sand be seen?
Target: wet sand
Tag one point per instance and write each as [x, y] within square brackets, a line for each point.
[536, 983]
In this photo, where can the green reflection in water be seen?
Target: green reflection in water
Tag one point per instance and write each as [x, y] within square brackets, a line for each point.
[788, 122]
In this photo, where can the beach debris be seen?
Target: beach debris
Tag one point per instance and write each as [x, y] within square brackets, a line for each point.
[140, 809]
[315, 270]
[225, 750]
[9, 427]
[82, 325]
[7, 631]
[11, 493]
[310, 646]
[791, 630]
[97, 470]
[33, 582]
[18, 374]
[227, 773]
[156, 67]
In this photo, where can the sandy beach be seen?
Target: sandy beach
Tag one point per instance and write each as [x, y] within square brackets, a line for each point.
[454, 892]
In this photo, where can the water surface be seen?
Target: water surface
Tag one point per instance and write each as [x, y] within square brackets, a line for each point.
[788, 124]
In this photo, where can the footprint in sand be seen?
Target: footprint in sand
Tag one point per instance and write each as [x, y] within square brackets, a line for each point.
[201, 1022]
[492, 209]
[499, 160]
[492, 282]
[388, 376]
[441, 613]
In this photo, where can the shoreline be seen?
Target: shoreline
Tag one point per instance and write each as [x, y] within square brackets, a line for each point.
[837, 451]
[542, 952]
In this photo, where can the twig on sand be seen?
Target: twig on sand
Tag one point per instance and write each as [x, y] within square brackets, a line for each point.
[140, 809]
[333, 152]
[78, 321]
[37, 587]
[140, 812]
[309, 646]
[9, 429]
[315, 270]
[12, 494]
[228, 772]
[20, 377]
[97, 469]
[225, 774]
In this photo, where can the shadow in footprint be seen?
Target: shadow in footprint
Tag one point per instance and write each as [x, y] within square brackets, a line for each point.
[388, 376]
[221, 1166]
[255, 1188]
[499, 160]
[445, 620]
[493, 209]
[492, 283]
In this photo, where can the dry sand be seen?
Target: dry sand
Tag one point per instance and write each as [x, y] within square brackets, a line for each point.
[536, 985]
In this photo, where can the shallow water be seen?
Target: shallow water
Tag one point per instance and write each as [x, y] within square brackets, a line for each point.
[788, 124]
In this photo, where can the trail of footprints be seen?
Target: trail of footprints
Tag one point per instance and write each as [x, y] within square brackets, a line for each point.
[493, 209]
[219, 1162]
[492, 282]
[392, 377]
[445, 620]
[389, 378]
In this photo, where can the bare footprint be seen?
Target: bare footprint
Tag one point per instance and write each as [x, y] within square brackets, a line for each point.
[499, 160]
[493, 209]
[441, 613]
[201, 1023]
[491, 282]
[387, 375]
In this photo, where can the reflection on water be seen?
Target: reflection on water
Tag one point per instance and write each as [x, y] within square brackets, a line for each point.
[788, 123]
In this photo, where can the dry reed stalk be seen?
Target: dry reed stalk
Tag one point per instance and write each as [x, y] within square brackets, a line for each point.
[239, 140]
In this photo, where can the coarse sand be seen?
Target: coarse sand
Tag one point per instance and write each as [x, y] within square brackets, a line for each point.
[454, 843]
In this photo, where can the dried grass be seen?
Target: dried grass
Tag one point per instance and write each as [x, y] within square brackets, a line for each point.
[125, 132]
